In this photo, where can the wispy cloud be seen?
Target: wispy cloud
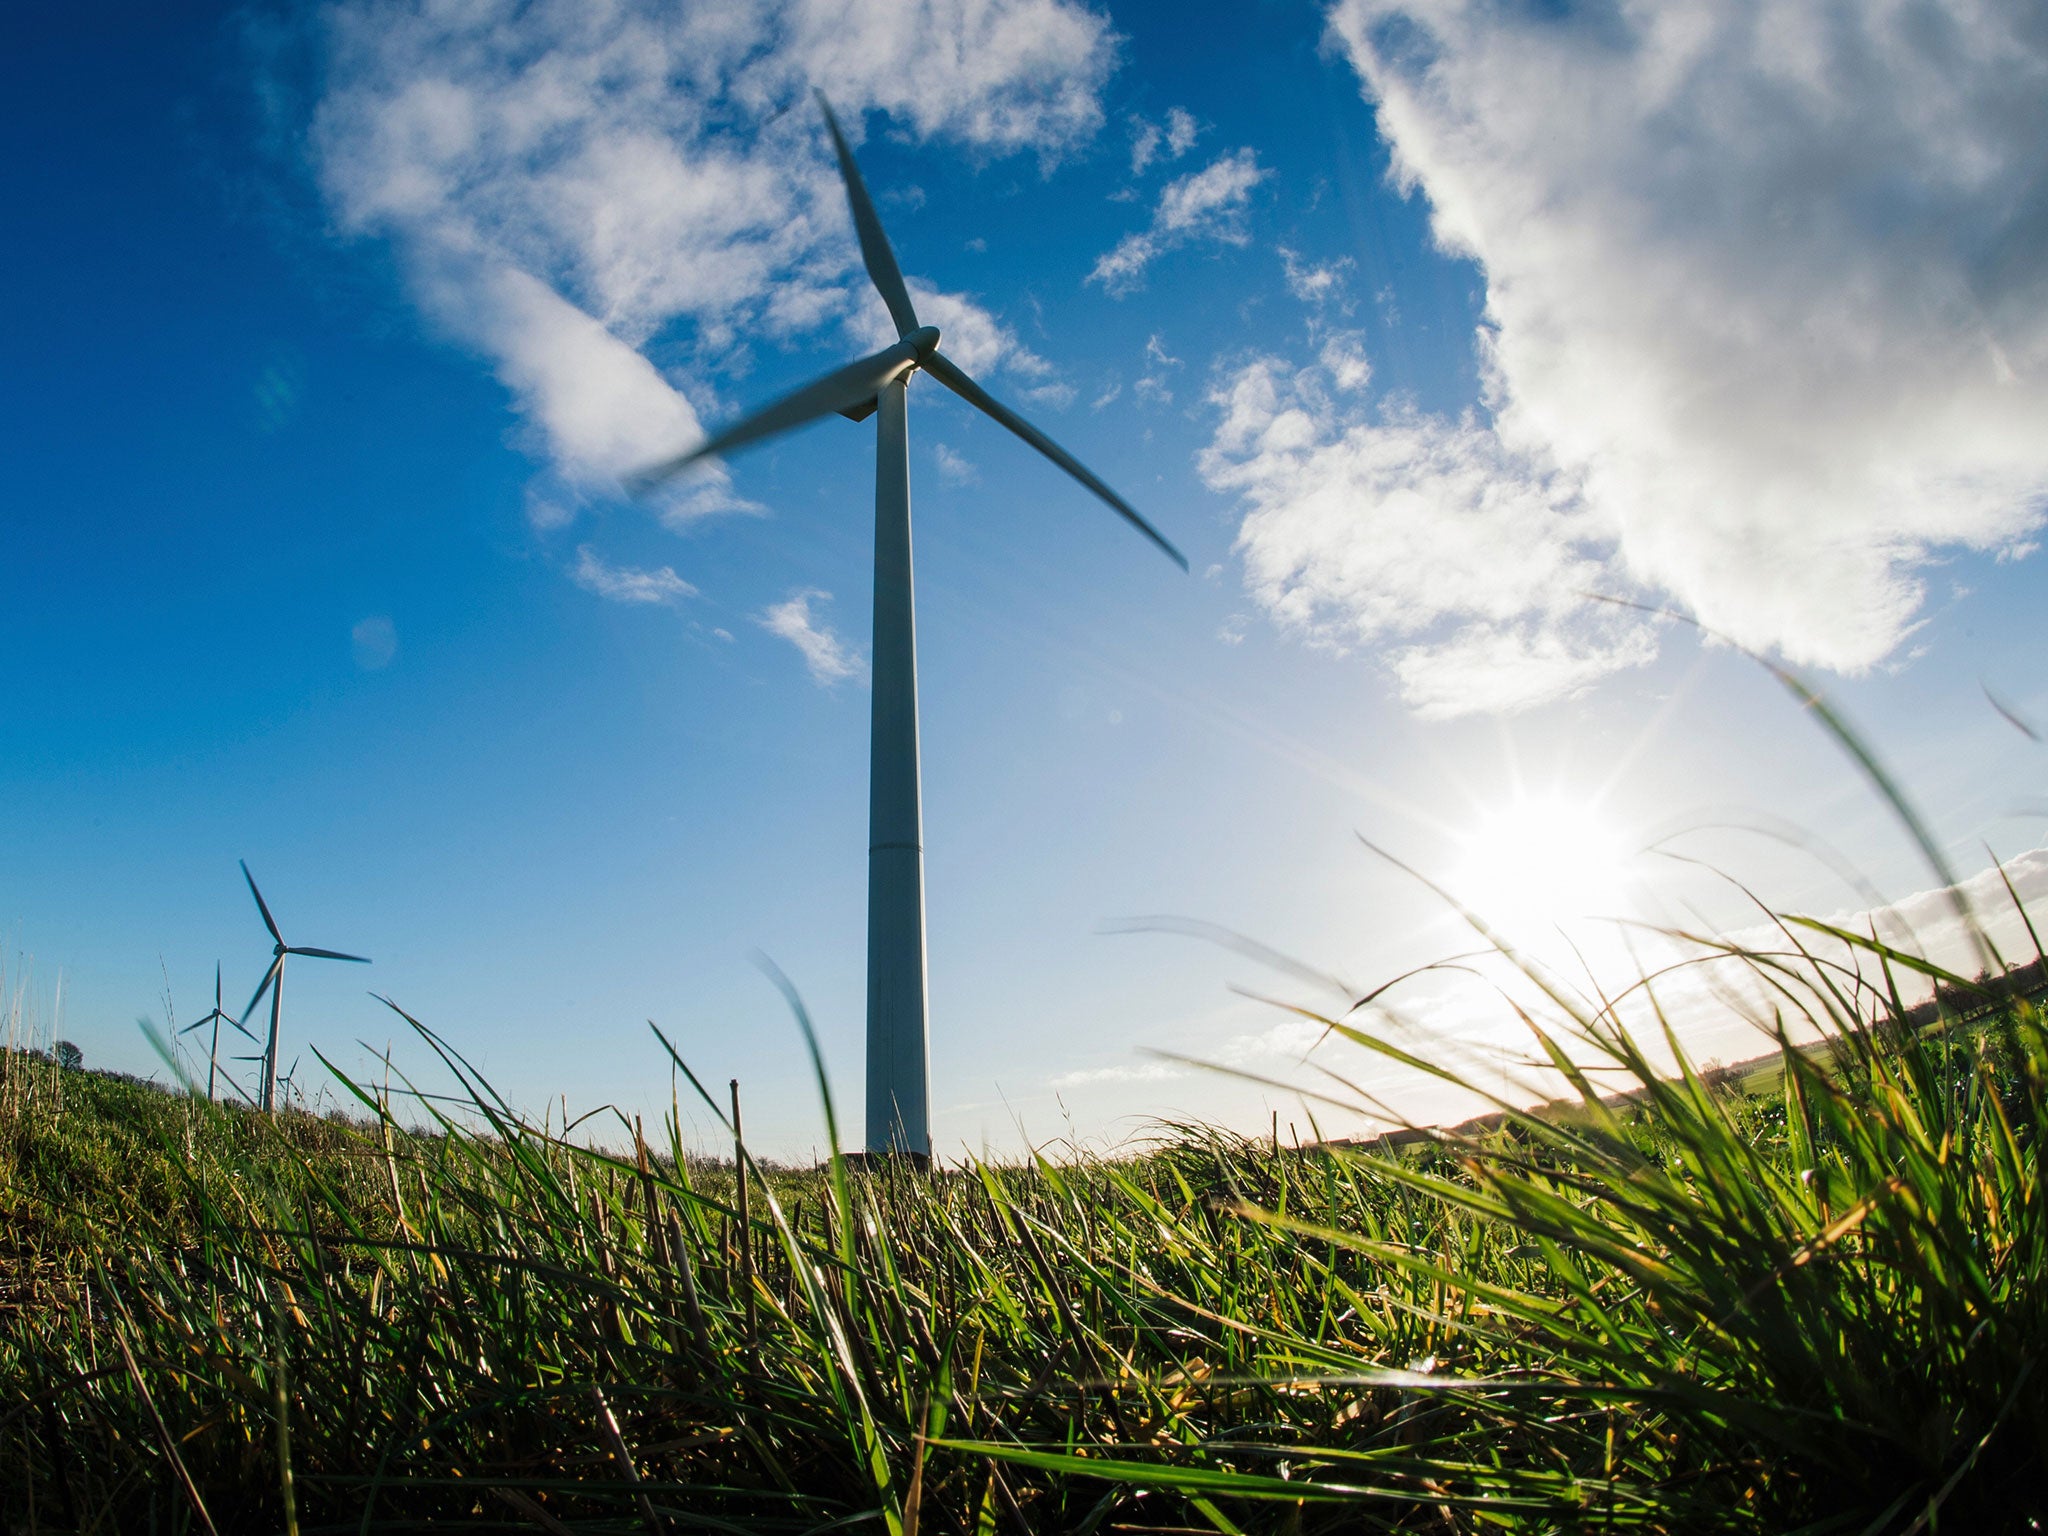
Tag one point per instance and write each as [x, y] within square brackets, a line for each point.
[1132, 1072]
[1151, 387]
[1152, 141]
[952, 466]
[829, 658]
[1766, 291]
[1316, 283]
[1145, 137]
[565, 183]
[1209, 204]
[625, 583]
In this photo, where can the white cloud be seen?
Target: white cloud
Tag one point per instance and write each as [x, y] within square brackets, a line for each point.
[1145, 137]
[600, 408]
[1766, 282]
[1151, 142]
[1151, 387]
[1317, 284]
[625, 583]
[828, 657]
[1135, 1072]
[1422, 538]
[1209, 204]
[952, 466]
[1212, 201]
[567, 184]
[1343, 358]
[549, 507]
[970, 335]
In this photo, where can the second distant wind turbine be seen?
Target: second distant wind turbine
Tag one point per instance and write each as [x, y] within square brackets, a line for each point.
[898, 1094]
[218, 1017]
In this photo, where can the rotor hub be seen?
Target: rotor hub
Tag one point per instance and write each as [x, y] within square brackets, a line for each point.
[924, 341]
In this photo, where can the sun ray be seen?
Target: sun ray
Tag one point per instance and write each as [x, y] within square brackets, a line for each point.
[1539, 866]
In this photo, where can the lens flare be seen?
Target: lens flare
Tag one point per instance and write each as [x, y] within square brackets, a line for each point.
[1535, 869]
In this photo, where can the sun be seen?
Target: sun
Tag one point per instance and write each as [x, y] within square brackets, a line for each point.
[1539, 865]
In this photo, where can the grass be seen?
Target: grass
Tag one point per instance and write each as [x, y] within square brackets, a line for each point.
[1817, 1309]
[1802, 1299]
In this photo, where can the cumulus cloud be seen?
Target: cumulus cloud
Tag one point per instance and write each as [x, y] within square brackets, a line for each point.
[829, 658]
[1423, 538]
[625, 583]
[1209, 204]
[568, 184]
[1766, 301]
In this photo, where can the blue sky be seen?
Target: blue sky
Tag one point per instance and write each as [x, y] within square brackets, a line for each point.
[1411, 324]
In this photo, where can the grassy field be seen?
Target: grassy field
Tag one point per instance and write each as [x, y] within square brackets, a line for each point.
[1817, 1308]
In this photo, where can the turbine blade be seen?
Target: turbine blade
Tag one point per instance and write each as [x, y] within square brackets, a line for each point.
[200, 1025]
[261, 905]
[269, 976]
[874, 244]
[948, 373]
[852, 385]
[329, 954]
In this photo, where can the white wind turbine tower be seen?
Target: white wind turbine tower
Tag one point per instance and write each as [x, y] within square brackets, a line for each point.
[898, 1101]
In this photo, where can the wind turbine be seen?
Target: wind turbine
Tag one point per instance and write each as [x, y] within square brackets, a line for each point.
[898, 1103]
[273, 983]
[215, 1018]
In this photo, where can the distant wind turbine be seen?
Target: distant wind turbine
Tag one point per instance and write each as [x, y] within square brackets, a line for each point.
[273, 983]
[898, 1100]
[216, 1018]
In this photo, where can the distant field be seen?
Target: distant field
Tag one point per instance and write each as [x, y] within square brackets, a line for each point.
[1815, 1308]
